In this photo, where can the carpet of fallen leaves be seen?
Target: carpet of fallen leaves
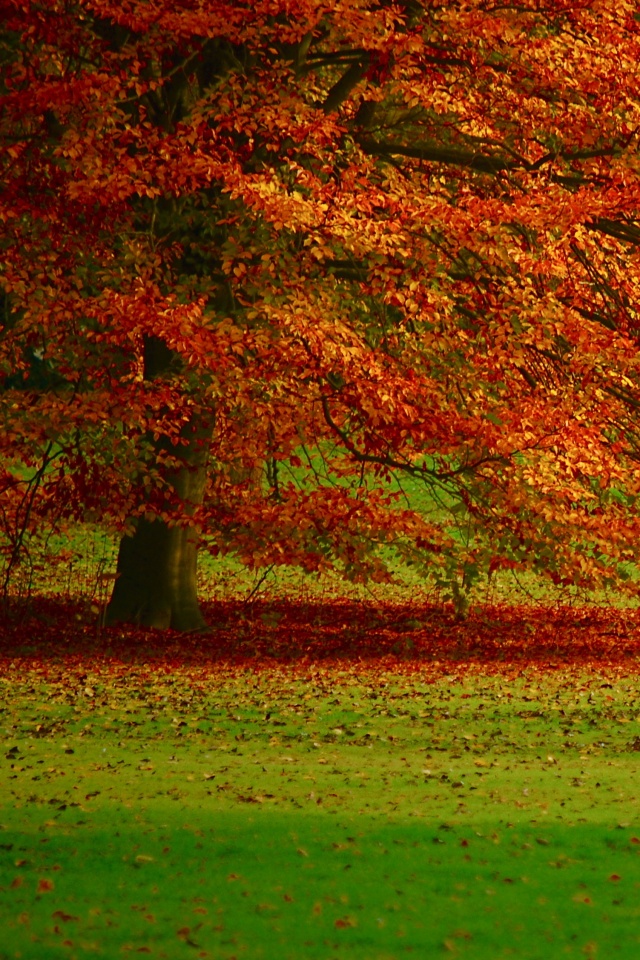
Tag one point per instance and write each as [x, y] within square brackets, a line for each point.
[325, 779]
[406, 638]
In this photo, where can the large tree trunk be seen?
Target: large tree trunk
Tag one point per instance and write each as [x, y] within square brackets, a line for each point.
[156, 582]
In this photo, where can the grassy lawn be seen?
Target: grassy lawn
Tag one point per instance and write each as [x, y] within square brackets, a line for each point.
[328, 781]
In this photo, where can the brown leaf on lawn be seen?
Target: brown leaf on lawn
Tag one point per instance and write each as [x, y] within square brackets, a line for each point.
[61, 915]
[581, 898]
[45, 885]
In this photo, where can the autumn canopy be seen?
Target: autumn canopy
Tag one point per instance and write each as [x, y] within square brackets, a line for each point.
[274, 271]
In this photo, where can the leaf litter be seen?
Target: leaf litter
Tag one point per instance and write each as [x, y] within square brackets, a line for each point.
[199, 796]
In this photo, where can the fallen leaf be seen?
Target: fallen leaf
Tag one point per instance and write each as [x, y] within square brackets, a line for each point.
[581, 898]
[61, 915]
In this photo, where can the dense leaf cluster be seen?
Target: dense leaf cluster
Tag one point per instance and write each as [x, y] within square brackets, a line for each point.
[374, 264]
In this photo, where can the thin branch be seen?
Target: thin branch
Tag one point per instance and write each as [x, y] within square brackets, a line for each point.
[392, 463]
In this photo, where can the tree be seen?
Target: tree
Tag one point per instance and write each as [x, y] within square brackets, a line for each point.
[276, 257]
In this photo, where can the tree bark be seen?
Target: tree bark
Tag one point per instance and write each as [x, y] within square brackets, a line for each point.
[156, 582]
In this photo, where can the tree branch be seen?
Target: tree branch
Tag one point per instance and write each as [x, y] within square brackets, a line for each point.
[392, 463]
[493, 163]
[628, 232]
[341, 90]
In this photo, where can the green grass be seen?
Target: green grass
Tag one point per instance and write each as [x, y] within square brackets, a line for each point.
[325, 813]
[82, 564]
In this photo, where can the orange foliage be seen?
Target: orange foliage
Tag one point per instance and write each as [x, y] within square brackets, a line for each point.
[381, 240]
